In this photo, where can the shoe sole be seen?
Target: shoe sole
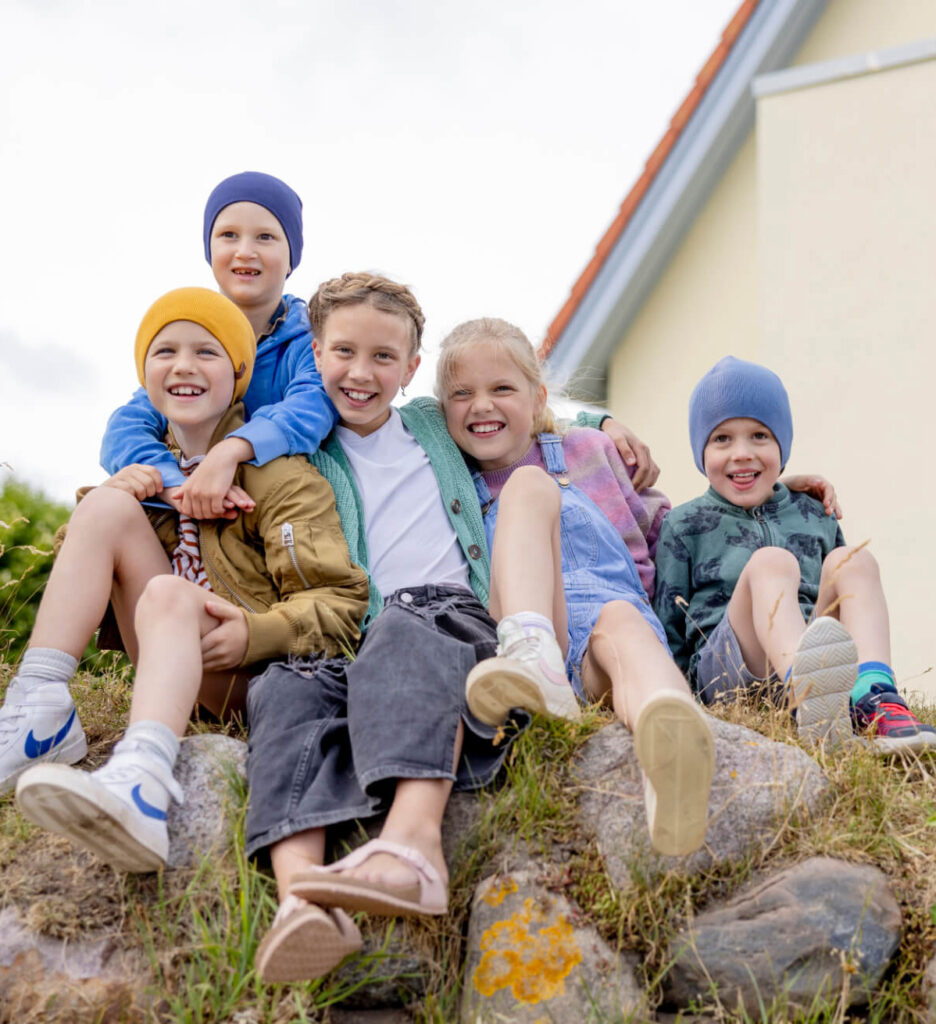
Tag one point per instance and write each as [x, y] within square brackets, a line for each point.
[919, 743]
[65, 801]
[73, 750]
[495, 686]
[676, 752]
[307, 945]
[825, 667]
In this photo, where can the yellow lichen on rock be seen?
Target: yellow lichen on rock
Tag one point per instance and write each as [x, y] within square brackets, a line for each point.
[499, 890]
[531, 961]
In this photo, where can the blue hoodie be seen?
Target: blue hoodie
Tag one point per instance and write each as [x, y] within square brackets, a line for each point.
[289, 412]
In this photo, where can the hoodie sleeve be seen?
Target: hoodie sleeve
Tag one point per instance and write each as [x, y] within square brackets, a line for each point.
[134, 434]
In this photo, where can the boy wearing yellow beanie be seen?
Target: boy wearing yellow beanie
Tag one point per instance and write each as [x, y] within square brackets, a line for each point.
[195, 608]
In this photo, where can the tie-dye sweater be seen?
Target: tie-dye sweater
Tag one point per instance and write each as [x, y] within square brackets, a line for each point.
[597, 469]
[705, 543]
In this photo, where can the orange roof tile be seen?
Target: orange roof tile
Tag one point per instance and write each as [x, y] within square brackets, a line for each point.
[632, 200]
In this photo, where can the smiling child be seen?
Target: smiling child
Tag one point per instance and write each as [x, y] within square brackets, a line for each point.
[742, 569]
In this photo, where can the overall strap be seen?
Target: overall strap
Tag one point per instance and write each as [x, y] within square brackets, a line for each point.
[554, 457]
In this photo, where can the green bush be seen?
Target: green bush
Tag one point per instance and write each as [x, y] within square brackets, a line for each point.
[28, 521]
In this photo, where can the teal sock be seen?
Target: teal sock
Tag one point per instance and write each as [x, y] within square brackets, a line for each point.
[871, 674]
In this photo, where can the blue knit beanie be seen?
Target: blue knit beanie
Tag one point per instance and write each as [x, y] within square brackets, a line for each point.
[266, 191]
[737, 389]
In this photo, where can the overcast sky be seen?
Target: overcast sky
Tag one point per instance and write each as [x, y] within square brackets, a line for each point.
[476, 150]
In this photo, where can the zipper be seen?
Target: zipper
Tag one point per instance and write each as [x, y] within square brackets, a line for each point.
[223, 582]
[758, 515]
[290, 544]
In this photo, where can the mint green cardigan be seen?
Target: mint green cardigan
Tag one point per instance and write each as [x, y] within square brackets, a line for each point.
[424, 420]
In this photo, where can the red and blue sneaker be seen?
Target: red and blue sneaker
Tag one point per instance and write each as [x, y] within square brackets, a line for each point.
[884, 718]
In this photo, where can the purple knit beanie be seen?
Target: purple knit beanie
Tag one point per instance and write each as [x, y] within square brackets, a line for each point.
[266, 191]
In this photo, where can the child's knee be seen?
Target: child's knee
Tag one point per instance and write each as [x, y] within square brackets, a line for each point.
[530, 483]
[850, 561]
[162, 595]
[617, 618]
[106, 509]
[772, 562]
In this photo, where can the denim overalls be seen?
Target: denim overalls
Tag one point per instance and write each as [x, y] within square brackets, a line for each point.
[596, 564]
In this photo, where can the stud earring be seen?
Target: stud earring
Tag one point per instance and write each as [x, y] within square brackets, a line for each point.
[403, 391]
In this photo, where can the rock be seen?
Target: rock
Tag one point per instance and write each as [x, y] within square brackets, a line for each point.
[207, 769]
[530, 958]
[814, 930]
[758, 783]
[79, 979]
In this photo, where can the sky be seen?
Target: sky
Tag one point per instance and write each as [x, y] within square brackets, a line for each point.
[476, 151]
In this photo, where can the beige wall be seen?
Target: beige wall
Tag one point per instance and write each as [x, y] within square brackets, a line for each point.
[704, 306]
[816, 255]
[847, 232]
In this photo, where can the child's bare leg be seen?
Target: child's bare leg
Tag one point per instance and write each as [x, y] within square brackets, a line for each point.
[850, 590]
[110, 551]
[672, 739]
[764, 611]
[523, 577]
[296, 853]
[170, 622]
[626, 659]
[414, 820]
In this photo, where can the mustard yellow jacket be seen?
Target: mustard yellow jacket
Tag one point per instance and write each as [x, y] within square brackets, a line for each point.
[286, 564]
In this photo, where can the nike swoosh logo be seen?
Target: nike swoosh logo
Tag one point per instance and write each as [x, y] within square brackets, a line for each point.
[36, 748]
[148, 809]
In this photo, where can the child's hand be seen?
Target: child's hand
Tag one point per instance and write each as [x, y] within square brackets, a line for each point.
[208, 493]
[634, 453]
[225, 645]
[816, 487]
[140, 481]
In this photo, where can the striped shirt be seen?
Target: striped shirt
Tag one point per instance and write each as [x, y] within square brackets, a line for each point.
[186, 559]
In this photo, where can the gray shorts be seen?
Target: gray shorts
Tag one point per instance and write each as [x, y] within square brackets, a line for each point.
[720, 671]
[329, 737]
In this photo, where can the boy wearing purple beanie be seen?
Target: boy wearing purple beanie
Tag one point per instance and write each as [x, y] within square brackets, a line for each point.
[252, 235]
[744, 567]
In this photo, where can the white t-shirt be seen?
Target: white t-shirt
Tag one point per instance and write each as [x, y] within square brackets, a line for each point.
[409, 537]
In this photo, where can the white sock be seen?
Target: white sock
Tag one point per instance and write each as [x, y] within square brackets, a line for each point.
[532, 620]
[42, 665]
[156, 739]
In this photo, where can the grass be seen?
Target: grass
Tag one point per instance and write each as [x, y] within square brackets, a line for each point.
[197, 930]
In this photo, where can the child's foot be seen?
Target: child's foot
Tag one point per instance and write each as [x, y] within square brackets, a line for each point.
[676, 751]
[529, 673]
[825, 667]
[36, 725]
[338, 884]
[305, 942]
[118, 812]
[883, 717]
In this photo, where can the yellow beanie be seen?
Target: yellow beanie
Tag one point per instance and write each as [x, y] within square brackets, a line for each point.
[217, 315]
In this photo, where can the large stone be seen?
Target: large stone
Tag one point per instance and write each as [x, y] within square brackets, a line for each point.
[88, 978]
[530, 958]
[818, 930]
[758, 785]
[208, 770]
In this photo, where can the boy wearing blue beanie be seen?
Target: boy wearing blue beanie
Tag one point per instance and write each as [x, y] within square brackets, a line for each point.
[252, 234]
[744, 567]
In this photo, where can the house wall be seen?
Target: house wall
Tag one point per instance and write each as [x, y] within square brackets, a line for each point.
[814, 255]
[847, 258]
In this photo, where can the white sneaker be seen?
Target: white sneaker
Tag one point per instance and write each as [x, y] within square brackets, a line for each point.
[825, 667]
[118, 812]
[36, 725]
[529, 672]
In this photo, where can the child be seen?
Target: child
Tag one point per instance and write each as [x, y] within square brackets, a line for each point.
[253, 241]
[338, 740]
[197, 609]
[741, 569]
[566, 529]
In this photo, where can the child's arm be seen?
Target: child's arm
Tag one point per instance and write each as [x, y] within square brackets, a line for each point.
[135, 433]
[323, 596]
[673, 593]
[636, 455]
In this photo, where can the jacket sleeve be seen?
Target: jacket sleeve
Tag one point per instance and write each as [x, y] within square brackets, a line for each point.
[591, 419]
[300, 420]
[135, 433]
[673, 593]
[322, 596]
